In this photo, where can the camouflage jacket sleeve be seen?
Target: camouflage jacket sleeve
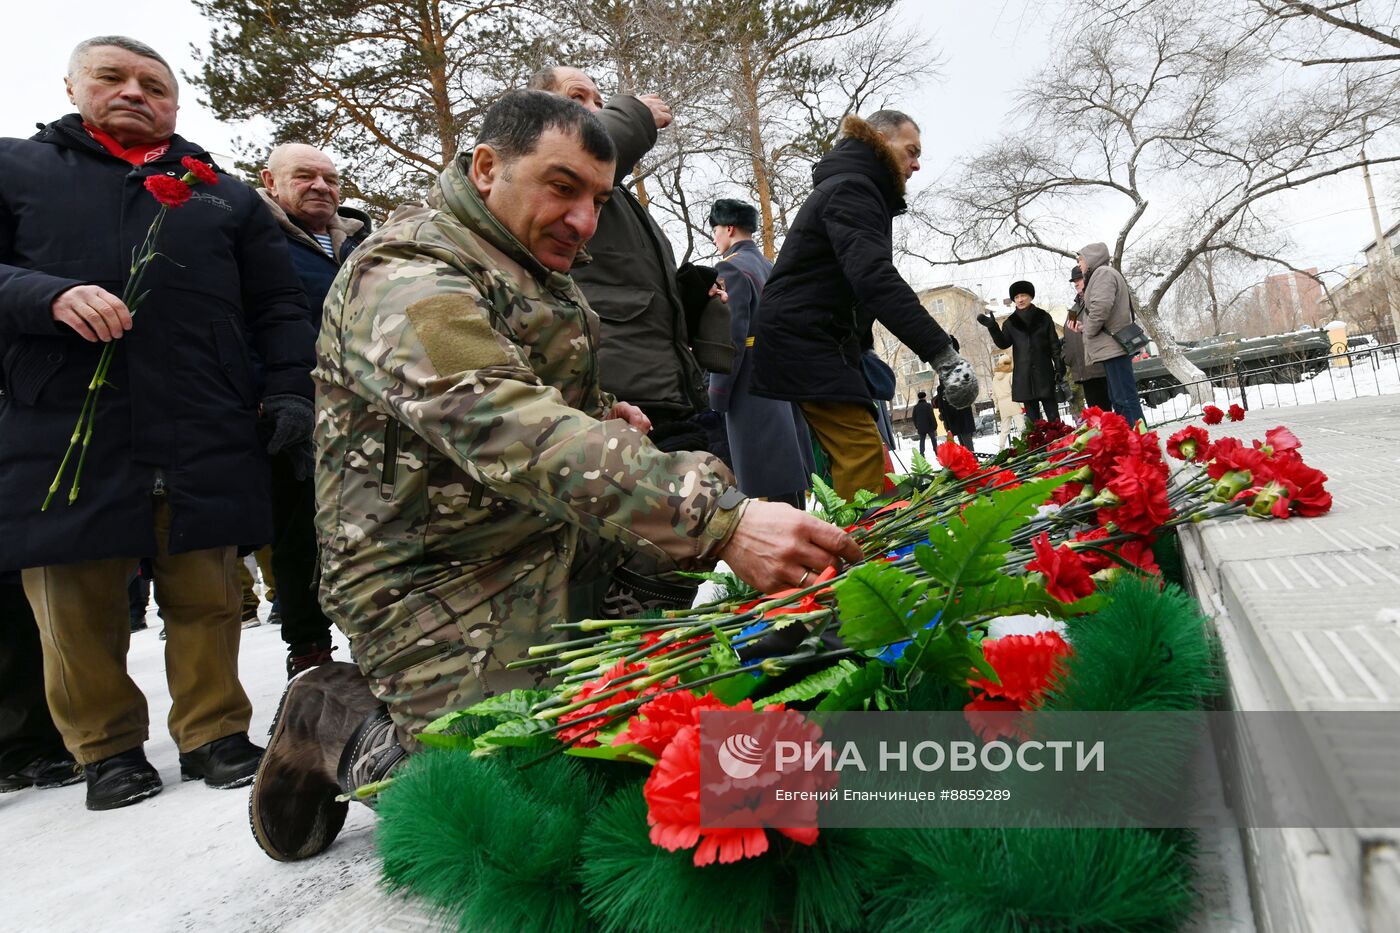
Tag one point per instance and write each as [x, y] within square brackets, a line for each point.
[419, 336]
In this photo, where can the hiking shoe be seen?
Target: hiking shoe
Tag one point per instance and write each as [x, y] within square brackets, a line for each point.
[306, 656]
[52, 770]
[293, 809]
[223, 763]
[251, 622]
[120, 780]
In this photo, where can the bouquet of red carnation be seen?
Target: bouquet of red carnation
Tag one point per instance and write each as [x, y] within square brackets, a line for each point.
[170, 193]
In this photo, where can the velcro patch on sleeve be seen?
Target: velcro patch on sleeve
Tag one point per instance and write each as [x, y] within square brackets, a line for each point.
[456, 334]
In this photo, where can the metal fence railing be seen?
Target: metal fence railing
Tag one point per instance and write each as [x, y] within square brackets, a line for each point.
[1344, 374]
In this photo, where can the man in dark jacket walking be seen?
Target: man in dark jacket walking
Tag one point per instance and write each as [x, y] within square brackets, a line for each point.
[301, 188]
[924, 422]
[1037, 367]
[768, 439]
[834, 278]
[1089, 376]
[176, 470]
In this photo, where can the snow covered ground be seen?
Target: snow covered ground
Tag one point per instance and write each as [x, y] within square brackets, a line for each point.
[184, 860]
[1370, 375]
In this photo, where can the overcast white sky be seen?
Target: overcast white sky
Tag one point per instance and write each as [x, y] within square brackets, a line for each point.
[987, 47]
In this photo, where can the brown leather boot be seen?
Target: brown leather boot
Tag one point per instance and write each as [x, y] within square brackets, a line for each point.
[293, 810]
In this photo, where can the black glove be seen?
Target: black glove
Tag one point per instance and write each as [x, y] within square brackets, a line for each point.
[291, 417]
[302, 457]
[986, 320]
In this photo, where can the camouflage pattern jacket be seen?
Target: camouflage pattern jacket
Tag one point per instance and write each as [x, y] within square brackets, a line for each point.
[461, 451]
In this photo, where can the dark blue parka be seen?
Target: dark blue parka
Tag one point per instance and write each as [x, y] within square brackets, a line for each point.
[179, 415]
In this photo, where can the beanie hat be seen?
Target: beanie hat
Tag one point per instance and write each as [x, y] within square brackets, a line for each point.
[727, 212]
[1022, 288]
[1076, 274]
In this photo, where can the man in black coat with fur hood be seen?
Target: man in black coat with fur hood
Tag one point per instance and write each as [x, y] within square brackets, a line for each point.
[834, 278]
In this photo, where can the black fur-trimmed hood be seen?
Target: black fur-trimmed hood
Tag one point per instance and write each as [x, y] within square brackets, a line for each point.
[864, 150]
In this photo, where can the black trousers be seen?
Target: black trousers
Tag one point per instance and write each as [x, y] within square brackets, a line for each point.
[26, 728]
[295, 556]
[1042, 409]
[1096, 393]
[931, 436]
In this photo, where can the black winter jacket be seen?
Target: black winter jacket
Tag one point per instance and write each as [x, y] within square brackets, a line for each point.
[835, 277]
[179, 415]
[924, 422]
[1037, 365]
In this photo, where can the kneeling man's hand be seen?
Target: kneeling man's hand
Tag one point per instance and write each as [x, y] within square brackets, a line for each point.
[776, 546]
[633, 415]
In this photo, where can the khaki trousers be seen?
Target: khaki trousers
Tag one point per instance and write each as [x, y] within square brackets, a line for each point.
[851, 440]
[263, 556]
[85, 629]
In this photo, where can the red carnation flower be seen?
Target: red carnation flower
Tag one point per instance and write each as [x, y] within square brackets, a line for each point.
[592, 689]
[1304, 484]
[1138, 552]
[657, 722]
[1280, 440]
[170, 192]
[1212, 415]
[1141, 489]
[1228, 454]
[1066, 578]
[957, 458]
[1094, 560]
[200, 170]
[1236, 413]
[1001, 480]
[1190, 443]
[1026, 665]
[1064, 495]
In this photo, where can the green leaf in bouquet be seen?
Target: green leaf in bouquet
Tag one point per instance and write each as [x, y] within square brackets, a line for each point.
[636, 754]
[853, 691]
[516, 704]
[879, 605]
[826, 496]
[514, 733]
[740, 687]
[972, 552]
[1013, 595]
[921, 466]
[948, 654]
[863, 498]
[814, 685]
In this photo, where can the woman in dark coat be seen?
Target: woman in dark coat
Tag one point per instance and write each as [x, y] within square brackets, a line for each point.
[768, 440]
[1037, 368]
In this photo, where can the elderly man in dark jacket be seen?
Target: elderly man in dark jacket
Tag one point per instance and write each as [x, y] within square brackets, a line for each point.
[1107, 310]
[834, 278]
[656, 345]
[1089, 376]
[768, 439]
[176, 470]
[301, 188]
[1036, 364]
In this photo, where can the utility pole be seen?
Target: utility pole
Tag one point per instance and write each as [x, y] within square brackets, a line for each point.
[1382, 247]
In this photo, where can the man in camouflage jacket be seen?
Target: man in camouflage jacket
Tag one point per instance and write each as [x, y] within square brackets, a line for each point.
[466, 455]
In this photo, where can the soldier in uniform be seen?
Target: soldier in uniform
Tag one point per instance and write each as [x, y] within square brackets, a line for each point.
[467, 455]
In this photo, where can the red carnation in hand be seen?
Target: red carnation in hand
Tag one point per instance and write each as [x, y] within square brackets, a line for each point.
[170, 192]
[1141, 489]
[957, 458]
[1212, 415]
[1066, 578]
[1236, 413]
[1190, 443]
[200, 170]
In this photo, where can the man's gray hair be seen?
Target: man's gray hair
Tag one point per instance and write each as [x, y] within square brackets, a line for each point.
[888, 122]
[543, 80]
[120, 42]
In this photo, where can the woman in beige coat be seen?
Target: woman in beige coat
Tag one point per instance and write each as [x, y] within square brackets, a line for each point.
[1009, 412]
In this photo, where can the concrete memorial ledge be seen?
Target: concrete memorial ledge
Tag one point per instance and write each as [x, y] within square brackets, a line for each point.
[1308, 612]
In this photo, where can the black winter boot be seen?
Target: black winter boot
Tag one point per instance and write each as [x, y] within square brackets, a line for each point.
[324, 713]
[120, 780]
[53, 770]
[223, 763]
